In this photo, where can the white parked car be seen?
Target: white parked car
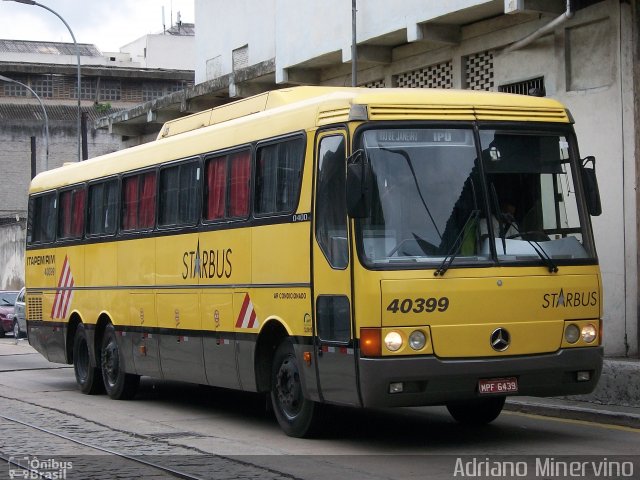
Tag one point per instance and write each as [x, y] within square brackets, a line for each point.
[20, 316]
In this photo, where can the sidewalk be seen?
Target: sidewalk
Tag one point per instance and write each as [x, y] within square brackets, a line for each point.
[616, 399]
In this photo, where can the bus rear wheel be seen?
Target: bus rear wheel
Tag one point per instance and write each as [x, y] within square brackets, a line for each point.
[118, 384]
[476, 412]
[88, 378]
[297, 415]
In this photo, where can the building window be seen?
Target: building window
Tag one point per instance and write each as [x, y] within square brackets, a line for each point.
[70, 88]
[240, 57]
[110, 90]
[176, 87]
[15, 90]
[139, 201]
[534, 87]
[433, 76]
[43, 86]
[131, 91]
[151, 91]
[375, 84]
[479, 71]
[278, 173]
[179, 194]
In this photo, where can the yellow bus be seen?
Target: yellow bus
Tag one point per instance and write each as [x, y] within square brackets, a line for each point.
[362, 247]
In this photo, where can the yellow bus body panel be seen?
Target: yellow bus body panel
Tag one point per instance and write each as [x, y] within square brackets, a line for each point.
[528, 301]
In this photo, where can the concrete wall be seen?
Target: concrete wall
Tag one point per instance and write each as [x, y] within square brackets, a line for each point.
[588, 68]
[12, 243]
[229, 26]
[15, 156]
[311, 29]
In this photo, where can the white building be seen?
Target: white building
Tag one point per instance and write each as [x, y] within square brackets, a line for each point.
[172, 49]
[586, 57]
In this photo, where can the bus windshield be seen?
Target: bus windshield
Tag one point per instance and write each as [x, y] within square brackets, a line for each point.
[434, 201]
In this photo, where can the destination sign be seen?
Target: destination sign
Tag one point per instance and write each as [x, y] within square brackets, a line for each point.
[423, 136]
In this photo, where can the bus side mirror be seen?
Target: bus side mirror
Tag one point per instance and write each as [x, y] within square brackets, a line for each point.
[358, 191]
[590, 182]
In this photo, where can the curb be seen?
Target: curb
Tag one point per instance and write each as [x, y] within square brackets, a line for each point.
[584, 411]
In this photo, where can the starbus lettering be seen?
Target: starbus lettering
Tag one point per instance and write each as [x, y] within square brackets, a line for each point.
[569, 299]
[207, 263]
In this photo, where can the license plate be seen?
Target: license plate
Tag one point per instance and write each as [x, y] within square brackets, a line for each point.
[489, 386]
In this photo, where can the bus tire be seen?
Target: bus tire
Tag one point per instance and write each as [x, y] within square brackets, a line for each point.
[476, 412]
[88, 378]
[296, 414]
[118, 384]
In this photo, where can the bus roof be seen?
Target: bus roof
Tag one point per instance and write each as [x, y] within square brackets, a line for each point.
[300, 108]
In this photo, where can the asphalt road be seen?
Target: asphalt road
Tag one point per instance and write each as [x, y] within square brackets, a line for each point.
[174, 420]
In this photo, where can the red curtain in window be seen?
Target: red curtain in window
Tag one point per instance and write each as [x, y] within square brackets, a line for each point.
[239, 185]
[130, 215]
[65, 213]
[148, 202]
[77, 223]
[216, 187]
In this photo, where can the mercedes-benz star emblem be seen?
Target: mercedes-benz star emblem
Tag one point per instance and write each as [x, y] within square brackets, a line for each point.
[500, 339]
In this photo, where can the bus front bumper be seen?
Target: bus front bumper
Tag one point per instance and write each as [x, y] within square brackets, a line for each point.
[434, 381]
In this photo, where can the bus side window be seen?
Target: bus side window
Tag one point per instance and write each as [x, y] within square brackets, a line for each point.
[227, 179]
[139, 201]
[103, 204]
[42, 219]
[71, 213]
[239, 184]
[179, 194]
[278, 175]
[215, 195]
[331, 209]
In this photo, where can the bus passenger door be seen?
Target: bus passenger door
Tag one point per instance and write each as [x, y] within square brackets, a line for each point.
[333, 335]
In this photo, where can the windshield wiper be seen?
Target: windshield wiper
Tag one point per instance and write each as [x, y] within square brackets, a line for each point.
[506, 222]
[405, 155]
[544, 256]
[457, 243]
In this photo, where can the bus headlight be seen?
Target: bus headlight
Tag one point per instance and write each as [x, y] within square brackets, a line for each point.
[417, 340]
[572, 333]
[589, 333]
[393, 341]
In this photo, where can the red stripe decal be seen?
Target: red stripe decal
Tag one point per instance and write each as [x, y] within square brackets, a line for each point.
[243, 311]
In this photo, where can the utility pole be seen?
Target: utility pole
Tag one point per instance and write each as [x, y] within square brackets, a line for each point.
[354, 47]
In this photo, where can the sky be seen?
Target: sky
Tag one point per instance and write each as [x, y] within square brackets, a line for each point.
[108, 24]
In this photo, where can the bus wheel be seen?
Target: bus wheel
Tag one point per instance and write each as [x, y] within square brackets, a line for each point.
[119, 384]
[296, 414]
[88, 378]
[476, 412]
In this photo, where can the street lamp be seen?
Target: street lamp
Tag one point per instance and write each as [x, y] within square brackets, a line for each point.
[46, 119]
[32, 2]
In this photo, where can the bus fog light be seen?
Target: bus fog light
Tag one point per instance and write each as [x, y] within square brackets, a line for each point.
[572, 333]
[393, 341]
[589, 333]
[583, 376]
[397, 387]
[417, 340]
